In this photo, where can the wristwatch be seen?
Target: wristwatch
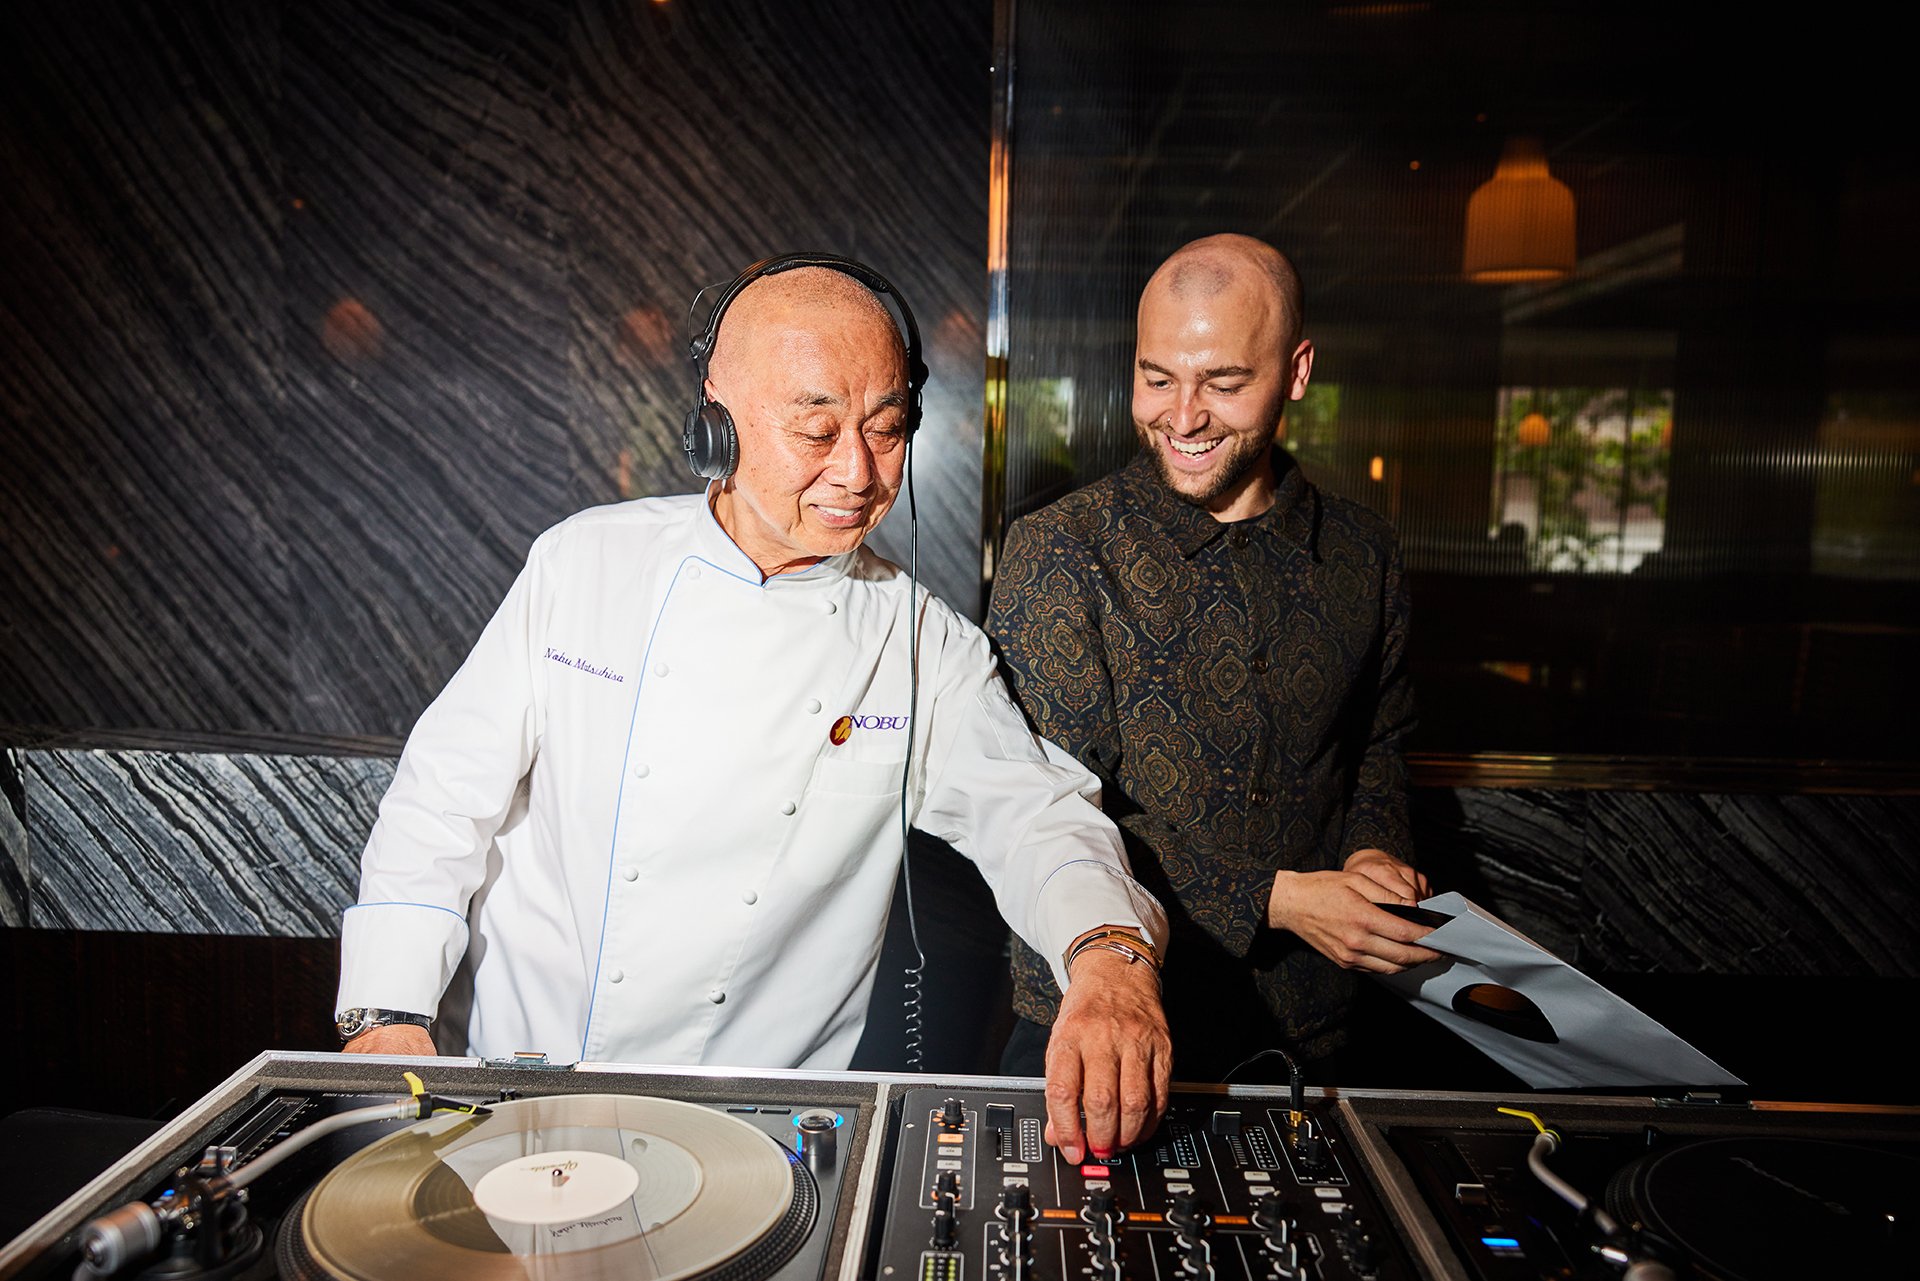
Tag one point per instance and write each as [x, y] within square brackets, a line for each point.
[351, 1023]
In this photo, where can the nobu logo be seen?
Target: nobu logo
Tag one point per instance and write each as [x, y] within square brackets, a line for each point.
[843, 728]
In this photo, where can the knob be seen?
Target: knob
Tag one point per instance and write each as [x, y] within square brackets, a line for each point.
[1270, 1218]
[1186, 1214]
[953, 1115]
[818, 1129]
[1362, 1250]
[944, 1190]
[1313, 1151]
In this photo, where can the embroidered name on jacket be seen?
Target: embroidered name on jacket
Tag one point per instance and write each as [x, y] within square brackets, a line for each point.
[560, 656]
[843, 728]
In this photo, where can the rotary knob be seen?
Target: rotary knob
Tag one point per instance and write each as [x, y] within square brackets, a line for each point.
[953, 1115]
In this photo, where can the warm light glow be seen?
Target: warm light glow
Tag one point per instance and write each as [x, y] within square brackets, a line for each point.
[1534, 429]
[351, 332]
[645, 336]
[1520, 221]
[1377, 469]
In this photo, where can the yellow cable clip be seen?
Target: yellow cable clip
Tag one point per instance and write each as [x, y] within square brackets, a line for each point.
[1538, 1124]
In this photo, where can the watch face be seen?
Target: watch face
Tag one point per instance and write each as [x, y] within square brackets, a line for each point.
[352, 1024]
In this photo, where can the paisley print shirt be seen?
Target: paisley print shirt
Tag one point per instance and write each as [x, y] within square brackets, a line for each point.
[1241, 691]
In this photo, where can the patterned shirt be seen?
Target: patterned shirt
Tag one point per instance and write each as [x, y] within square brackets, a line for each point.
[1241, 690]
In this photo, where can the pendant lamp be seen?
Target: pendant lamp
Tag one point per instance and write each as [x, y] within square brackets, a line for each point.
[1520, 221]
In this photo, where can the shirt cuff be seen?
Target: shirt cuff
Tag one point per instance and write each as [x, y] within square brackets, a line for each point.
[398, 956]
[1084, 895]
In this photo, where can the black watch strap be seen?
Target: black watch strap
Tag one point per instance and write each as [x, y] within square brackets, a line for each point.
[351, 1023]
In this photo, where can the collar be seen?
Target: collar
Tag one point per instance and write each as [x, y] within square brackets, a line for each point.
[1294, 516]
[714, 545]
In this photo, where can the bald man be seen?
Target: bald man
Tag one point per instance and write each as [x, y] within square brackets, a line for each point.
[1224, 646]
[657, 815]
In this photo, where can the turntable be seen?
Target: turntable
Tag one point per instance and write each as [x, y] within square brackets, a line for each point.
[1593, 1189]
[499, 1172]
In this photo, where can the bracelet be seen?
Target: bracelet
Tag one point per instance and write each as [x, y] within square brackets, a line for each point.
[1113, 945]
[1125, 942]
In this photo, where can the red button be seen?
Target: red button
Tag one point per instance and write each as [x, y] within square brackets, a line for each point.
[1094, 1171]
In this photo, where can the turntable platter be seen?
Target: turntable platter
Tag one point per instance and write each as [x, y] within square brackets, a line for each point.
[1754, 1209]
[572, 1188]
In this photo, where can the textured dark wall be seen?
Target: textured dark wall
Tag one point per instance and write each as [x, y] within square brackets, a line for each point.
[312, 316]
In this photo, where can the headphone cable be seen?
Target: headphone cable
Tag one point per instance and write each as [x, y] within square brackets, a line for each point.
[915, 973]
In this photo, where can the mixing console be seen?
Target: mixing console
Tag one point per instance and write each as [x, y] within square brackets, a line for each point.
[1226, 1188]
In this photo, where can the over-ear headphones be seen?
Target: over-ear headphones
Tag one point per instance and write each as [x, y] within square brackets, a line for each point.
[709, 437]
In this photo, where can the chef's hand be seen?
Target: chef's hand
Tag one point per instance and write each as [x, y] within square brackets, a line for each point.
[1109, 1056]
[409, 1039]
[1334, 913]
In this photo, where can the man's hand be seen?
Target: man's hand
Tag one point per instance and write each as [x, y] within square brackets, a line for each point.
[1390, 872]
[1335, 913]
[395, 1038]
[1109, 1055]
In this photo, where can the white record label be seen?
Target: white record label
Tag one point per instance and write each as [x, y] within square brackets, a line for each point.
[555, 1187]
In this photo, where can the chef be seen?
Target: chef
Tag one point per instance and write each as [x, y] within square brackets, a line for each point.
[656, 815]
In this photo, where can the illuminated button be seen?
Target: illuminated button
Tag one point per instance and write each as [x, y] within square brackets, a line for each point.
[1094, 1171]
[813, 705]
[788, 807]
[1015, 1167]
[1334, 1207]
[749, 898]
[1013, 1181]
[1328, 1194]
[947, 1165]
[951, 1138]
[617, 976]
[1262, 1189]
[1180, 1187]
[629, 873]
[1098, 1185]
[717, 996]
[1259, 1176]
[659, 669]
[641, 770]
[1175, 1172]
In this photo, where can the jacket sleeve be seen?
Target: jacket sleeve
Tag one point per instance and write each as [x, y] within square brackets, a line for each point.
[1377, 814]
[401, 942]
[1046, 619]
[1026, 813]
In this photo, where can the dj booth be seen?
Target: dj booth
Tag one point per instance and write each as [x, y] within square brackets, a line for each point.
[322, 1166]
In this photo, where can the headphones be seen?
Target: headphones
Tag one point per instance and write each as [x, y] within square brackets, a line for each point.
[709, 438]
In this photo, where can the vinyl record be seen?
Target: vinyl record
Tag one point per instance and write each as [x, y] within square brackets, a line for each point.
[571, 1188]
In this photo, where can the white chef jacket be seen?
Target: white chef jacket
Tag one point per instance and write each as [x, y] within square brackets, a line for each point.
[657, 810]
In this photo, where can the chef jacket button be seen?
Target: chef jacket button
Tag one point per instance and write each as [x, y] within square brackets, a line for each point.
[693, 571]
[833, 607]
[813, 705]
[617, 976]
[788, 807]
[640, 770]
[717, 996]
[749, 898]
[629, 873]
[659, 669]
